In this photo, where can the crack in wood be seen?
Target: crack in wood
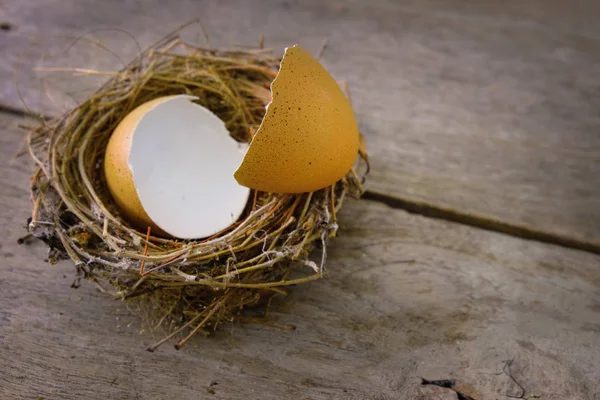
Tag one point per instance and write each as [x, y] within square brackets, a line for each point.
[477, 221]
[11, 110]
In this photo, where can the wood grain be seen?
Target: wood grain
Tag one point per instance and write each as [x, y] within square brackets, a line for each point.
[487, 110]
[406, 296]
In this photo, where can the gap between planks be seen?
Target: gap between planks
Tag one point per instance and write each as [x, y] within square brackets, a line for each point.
[19, 112]
[429, 210]
[478, 221]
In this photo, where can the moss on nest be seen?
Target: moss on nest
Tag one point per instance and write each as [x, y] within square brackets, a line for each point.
[183, 286]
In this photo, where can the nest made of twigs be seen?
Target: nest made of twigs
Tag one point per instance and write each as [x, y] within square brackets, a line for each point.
[187, 286]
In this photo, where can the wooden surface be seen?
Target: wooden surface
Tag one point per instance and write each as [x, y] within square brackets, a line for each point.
[478, 108]
[407, 297]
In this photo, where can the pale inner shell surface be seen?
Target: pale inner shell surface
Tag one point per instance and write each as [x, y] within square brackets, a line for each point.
[182, 160]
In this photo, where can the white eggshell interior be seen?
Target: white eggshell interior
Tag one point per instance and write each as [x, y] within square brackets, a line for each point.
[182, 160]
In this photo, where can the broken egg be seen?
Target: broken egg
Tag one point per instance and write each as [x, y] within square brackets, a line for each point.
[308, 138]
[169, 165]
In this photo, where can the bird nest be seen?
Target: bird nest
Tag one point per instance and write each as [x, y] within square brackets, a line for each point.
[183, 286]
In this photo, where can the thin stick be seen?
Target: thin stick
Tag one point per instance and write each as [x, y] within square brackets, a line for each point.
[145, 251]
[36, 206]
[105, 228]
[265, 285]
[169, 261]
[254, 200]
[333, 215]
[99, 44]
[321, 50]
[347, 90]
[305, 209]
[160, 322]
[205, 33]
[256, 321]
[252, 67]
[83, 71]
[167, 338]
[216, 235]
[183, 341]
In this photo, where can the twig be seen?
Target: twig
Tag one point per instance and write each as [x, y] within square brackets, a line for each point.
[167, 338]
[105, 228]
[82, 71]
[183, 341]
[333, 213]
[321, 50]
[346, 87]
[34, 212]
[143, 263]
[24, 239]
[265, 71]
[204, 33]
[102, 46]
[256, 321]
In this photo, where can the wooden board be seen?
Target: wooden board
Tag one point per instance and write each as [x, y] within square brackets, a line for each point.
[483, 109]
[406, 297]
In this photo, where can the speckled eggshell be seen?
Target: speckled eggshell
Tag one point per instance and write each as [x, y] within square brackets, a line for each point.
[309, 137]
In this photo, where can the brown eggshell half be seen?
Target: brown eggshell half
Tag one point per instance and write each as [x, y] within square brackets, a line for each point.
[309, 136]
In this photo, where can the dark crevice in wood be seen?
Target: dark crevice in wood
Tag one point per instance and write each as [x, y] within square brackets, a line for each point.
[432, 211]
[12, 110]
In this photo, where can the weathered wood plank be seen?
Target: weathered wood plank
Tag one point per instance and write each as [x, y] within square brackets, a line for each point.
[488, 109]
[406, 296]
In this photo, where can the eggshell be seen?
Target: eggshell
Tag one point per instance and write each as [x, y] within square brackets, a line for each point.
[308, 138]
[169, 165]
